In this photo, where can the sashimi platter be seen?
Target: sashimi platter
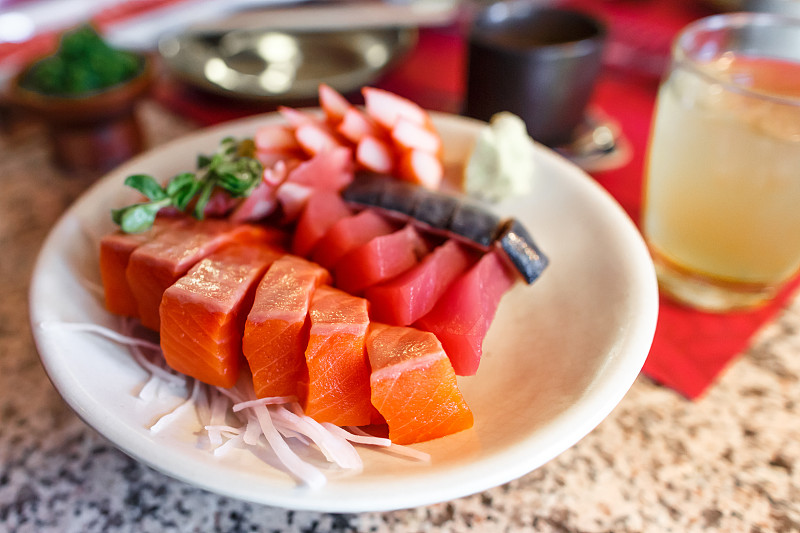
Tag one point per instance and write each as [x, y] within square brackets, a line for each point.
[344, 309]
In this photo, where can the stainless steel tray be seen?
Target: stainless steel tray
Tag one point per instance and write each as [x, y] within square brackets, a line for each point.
[278, 65]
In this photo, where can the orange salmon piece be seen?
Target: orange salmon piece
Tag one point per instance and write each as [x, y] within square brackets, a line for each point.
[203, 313]
[277, 327]
[338, 371]
[115, 253]
[413, 385]
[156, 265]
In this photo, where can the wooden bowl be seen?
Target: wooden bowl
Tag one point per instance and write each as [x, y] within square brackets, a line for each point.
[92, 132]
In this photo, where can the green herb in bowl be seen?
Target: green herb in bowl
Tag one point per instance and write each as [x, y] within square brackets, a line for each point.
[84, 63]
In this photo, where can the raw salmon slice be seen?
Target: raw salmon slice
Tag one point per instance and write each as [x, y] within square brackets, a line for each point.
[115, 253]
[156, 265]
[276, 331]
[347, 234]
[203, 313]
[413, 385]
[462, 316]
[382, 258]
[322, 210]
[403, 300]
[338, 388]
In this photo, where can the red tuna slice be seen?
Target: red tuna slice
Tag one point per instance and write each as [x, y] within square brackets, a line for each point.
[403, 300]
[462, 316]
[338, 388]
[156, 265]
[203, 313]
[322, 210]
[276, 331]
[413, 385]
[347, 234]
[331, 169]
[115, 252]
[380, 259]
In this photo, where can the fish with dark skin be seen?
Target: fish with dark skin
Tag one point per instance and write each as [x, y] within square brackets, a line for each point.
[451, 216]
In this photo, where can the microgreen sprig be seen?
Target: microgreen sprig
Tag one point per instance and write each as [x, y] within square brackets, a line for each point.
[232, 168]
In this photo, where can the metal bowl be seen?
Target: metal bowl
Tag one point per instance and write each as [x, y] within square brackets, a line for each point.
[276, 65]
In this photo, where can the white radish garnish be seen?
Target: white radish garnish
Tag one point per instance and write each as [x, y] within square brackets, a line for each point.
[252, 431]
[366, 438]
[396, 448]
[177, 413]
[219, 408]
[271, 400]
[303, 471]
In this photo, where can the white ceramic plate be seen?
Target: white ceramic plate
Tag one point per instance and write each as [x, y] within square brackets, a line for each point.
[558, 358]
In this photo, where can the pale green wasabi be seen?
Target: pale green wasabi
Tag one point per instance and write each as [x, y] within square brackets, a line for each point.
[502, 162]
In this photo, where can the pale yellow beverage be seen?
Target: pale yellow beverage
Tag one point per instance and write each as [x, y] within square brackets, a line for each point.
[722, 194]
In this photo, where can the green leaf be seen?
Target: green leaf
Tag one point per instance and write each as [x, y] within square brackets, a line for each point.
[202, 200]
[138, 217]
[230, 168]
[147, 185]
[180, 182]
[184, 196]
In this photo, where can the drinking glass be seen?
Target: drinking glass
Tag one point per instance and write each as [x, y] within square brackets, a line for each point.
[721, 210]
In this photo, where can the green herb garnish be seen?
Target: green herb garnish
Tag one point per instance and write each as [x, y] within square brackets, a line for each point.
[83, 63]
[231, 168]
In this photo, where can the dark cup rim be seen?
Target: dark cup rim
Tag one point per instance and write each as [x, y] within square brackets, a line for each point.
[483, 32]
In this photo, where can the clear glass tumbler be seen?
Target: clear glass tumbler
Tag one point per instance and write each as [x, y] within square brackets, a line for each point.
[721, 211]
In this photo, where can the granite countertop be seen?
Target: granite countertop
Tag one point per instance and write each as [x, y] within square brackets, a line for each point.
[729, 461]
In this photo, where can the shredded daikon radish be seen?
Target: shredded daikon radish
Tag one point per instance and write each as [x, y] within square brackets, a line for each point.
[272, 400]
[224, 430]
[233, 442]
[179, 411]
[150, 389]
[202, 401]
[219, 406]
[396, 448]
[276, 418]
[305, 472]
[359, 439]
[252, 431]
[334, 448]
[292, 434]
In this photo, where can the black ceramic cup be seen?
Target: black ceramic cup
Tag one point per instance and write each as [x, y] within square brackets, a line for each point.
[537, 62]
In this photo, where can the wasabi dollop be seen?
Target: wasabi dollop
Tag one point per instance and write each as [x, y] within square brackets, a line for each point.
[502, 162]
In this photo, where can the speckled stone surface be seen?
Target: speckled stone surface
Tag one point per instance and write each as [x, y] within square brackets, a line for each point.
[727, 462]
